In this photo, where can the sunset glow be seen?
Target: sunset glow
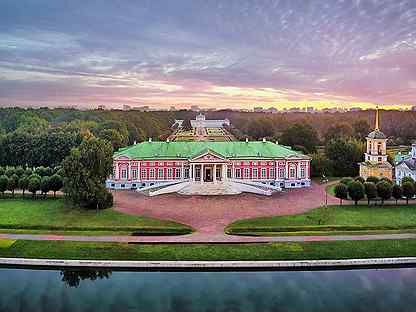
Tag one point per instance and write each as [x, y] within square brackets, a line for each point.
[214, 54]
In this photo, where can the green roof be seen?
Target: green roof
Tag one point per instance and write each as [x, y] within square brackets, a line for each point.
[190, 150]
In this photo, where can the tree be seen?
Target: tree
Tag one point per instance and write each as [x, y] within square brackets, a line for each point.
[384, 190]
[397, 192]
[34, 185]
[370, 191]
[85, 171]
[45, 185]
[4, 182]
[339, 131]
[341, 192]
[23, 184]
[408, 190]
[301, 135]
[361, 129]
[10, 171]
[408, 179]
[360, 179]
[356, 191]
[373, 179]
[113, 136]
[320, 165]
[55, 183]
[346, 181]
[345, 156]
[13, 183]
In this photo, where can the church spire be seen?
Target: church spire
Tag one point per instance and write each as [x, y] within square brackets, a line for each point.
[377, 127]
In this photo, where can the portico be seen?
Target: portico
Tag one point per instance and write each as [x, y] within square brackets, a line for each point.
[208, 172]
[208, 166]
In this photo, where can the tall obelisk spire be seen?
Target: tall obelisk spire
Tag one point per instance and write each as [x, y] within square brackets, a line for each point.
[377, 127]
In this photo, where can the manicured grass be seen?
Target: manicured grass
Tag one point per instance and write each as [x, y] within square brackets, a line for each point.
[6, 243]
[54, 215]
[332, 219]
[271, 251]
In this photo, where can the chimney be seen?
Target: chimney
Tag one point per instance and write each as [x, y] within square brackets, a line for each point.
[277, 142]
[134, 143]
[150, 140]
[264, 140]
[167, 140]
[246, 140]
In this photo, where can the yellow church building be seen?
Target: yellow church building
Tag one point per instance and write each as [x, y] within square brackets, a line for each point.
[375, 159]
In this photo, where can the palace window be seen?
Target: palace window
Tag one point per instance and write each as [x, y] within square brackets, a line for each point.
[246, 172]
[134, 174]
[124, 173]
[238, 173]
[229, 173]
[302, 171]
[160, 173]
[152, 173]
[292, 171]
[282, 173]
[263, 173]
[170, 173]
[186, 173]
[271, 172]
[255, 173]
[178, 173]
[144, 174]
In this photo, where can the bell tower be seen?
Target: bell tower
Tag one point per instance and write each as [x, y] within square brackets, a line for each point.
[376, 143]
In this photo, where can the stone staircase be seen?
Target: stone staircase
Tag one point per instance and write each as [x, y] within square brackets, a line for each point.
[210, 188]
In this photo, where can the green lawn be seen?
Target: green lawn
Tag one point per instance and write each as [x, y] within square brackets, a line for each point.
[272, 251]
[334, 219]
[54, 215]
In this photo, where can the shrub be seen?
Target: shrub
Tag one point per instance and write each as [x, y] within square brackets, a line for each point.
[4, 182]
[360, 179]
[2, 170]
[356, 191]
[370, 191]
[9, 172]
[384, 190]
[397, 192]
[341, 192]
[375, 180]
[346, 181]
[19, 171]
[408, 190]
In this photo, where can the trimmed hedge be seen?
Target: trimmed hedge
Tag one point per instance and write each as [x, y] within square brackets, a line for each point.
[259, 230]
[144, 230]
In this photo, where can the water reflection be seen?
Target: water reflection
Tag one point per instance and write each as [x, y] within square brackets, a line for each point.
[73, 277]
[80, 290]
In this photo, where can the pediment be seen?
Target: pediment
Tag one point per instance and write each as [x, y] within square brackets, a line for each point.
[209, 156]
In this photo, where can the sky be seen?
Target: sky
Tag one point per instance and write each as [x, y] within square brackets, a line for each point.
[214, 54]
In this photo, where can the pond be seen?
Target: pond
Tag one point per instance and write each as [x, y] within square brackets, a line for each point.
[89, 290]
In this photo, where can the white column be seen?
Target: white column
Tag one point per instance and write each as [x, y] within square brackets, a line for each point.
[233, 171]
[201, 175]
[215, 173]
[182, 172]
[139, 171]
[117, 176]
[224, 172]
[276, 171]
[193, 172]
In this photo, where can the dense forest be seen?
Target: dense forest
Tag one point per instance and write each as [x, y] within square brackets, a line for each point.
[44, 137]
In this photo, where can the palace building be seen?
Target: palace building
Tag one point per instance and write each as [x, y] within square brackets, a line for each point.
[201, 122]
[209, 168]
[406, 165]
[375, 158]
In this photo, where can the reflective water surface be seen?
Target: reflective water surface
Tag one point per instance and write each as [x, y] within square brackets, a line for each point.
[81, 290]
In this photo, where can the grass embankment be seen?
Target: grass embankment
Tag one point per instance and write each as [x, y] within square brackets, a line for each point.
[332, 220]
[272, 251]
[54, 216]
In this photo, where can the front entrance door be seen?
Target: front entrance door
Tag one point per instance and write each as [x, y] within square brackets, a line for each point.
[208, 175]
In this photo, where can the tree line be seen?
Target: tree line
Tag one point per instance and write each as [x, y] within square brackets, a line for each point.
[374, 188]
